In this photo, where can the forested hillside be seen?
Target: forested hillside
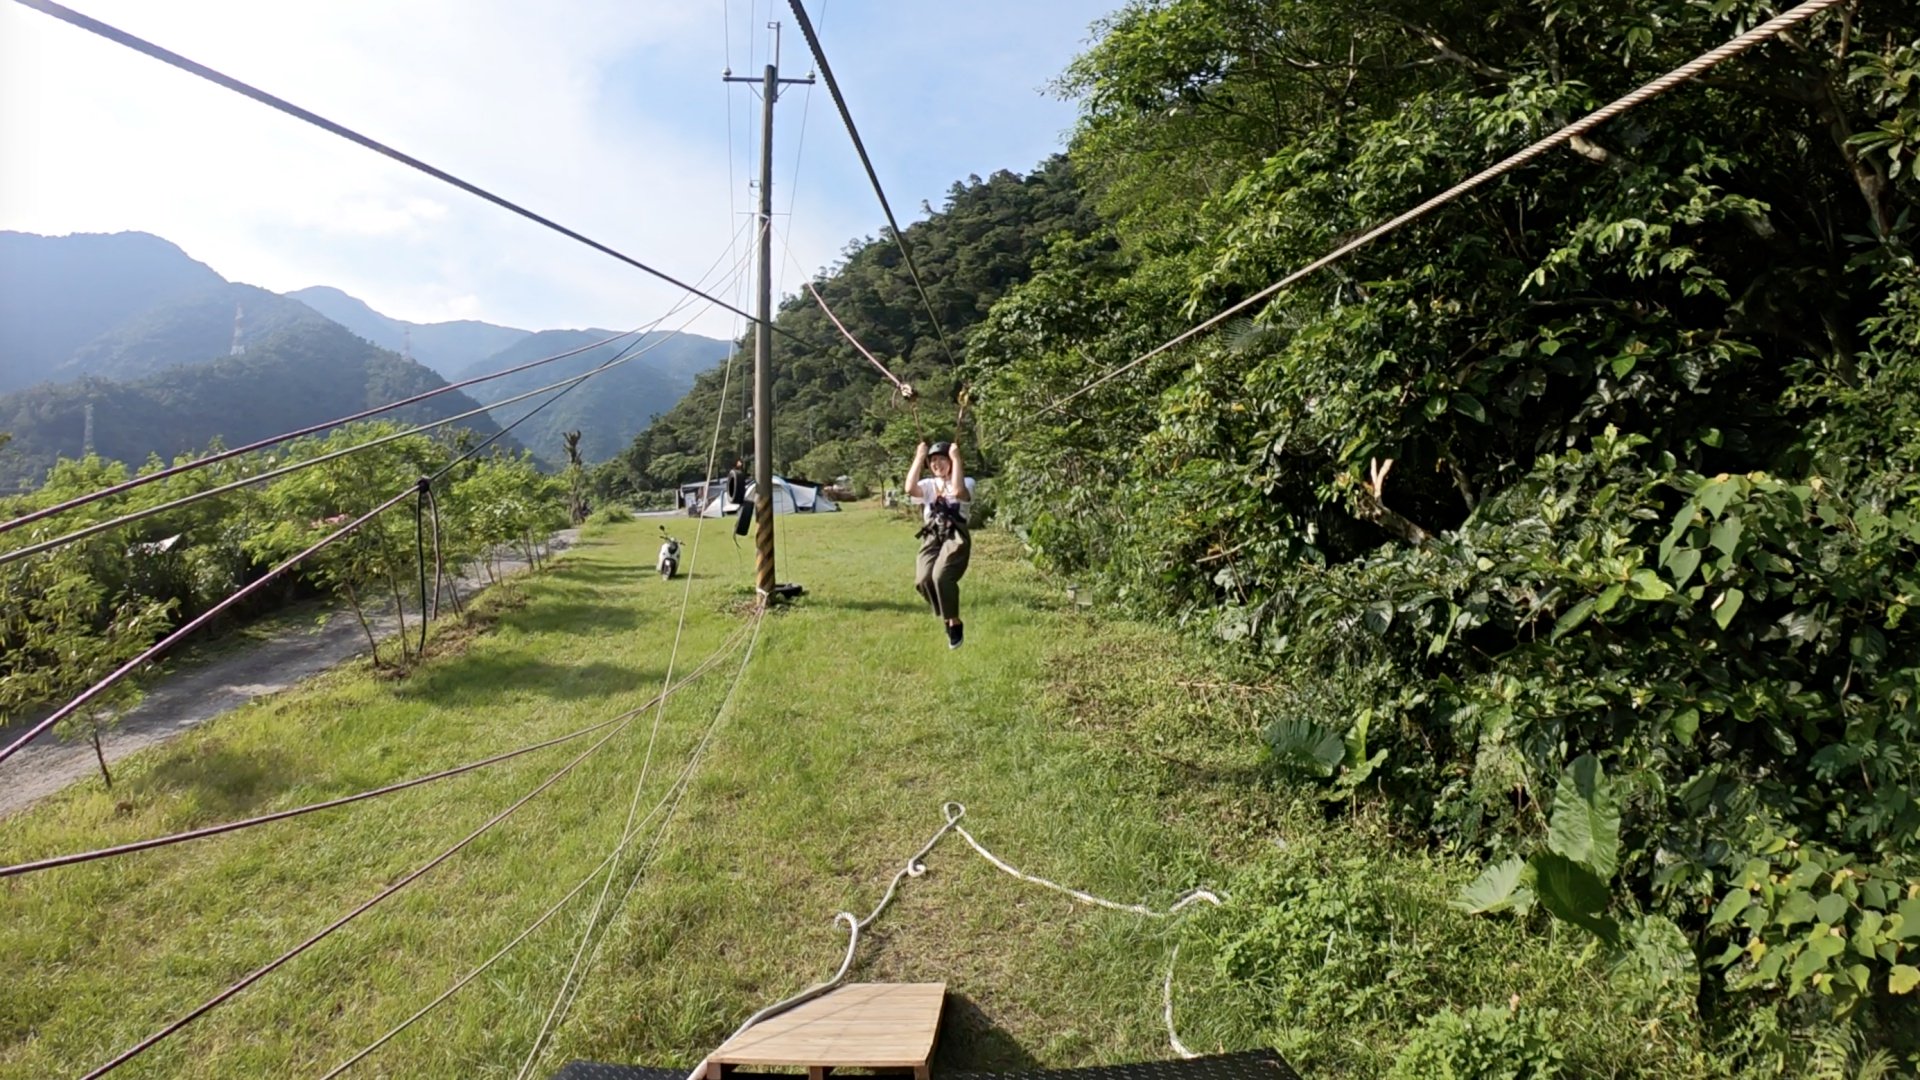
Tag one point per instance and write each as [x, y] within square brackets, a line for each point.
[57, 293]
[833, 414]
[1575, 523]
[298, 377]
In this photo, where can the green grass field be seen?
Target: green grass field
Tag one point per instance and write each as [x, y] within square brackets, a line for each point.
[1095, 752]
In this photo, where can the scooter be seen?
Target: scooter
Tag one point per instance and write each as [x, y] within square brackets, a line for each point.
[669, 561]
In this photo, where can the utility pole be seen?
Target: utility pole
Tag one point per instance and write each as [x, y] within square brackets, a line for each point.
[763, 574]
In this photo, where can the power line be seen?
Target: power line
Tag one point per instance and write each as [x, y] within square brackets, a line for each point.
[637, 349]
[167, 642]
[167, 56]
[133, 847]
[1648, 92]
[223, 996]
[224, 455]
[619, 848]
[899, 237]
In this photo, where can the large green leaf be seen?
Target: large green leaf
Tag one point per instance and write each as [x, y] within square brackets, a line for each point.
[1585, 826]
[1307, 746]
[1571, 621]
[1571, 892]
[1498, 888]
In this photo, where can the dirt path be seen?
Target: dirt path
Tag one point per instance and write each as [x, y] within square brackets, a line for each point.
[178, 700]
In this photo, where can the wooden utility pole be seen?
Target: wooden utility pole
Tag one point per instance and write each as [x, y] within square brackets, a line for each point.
[770, 84]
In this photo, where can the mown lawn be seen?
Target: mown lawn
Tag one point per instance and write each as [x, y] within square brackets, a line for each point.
[1089, 750]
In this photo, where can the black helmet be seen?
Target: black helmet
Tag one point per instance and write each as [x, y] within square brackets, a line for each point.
[940, 449]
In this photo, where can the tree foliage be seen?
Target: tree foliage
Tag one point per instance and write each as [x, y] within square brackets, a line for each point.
[834, 415]
[1607, 467]
[71, 615]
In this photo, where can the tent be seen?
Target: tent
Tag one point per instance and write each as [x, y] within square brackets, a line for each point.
[788, 498]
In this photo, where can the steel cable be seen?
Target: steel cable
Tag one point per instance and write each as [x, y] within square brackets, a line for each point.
[562, 1000]
[203, 833]
[899, 237]
[191, 67]
[225, 455]
[167, 642]
[218, 999]
[1685, 73]
[619, 848]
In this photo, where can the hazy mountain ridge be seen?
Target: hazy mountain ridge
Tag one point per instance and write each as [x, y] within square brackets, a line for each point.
[300, 376]
[609, 409]
[59, 293]
[446, 347]
[133, 325]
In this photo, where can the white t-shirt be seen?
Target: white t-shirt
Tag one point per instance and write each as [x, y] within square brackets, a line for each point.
[933, 488]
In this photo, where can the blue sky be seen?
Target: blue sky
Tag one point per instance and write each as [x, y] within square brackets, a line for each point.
[607, 115]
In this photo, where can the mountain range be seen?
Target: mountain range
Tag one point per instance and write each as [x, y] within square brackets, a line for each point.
[172, 355]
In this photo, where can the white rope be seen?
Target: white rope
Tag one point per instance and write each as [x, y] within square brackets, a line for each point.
[1684, 73]
[619, 848]
[562, 999]
[915, 867]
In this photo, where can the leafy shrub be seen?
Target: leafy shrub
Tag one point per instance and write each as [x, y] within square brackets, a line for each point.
[610, 514]
[1486, 1043]
[1327, 933]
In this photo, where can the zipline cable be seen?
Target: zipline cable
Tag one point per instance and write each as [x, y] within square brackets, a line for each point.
[628, 354]
[218, 999]
[167, 642]
[578, 887]
[899, 237]
[55, 861]
[167, 56]
[1685, 73]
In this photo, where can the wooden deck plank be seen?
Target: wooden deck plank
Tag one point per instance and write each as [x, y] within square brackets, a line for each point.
[864, 1025]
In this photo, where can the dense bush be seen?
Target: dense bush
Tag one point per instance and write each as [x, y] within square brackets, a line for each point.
[73, 614]
[1577, 521]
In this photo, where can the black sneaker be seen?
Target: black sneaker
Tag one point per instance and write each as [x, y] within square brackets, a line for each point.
[956, 633]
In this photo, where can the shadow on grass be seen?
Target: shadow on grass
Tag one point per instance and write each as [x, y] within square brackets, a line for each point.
[224, 782]
[971, 1042]
[485, 681]
[579, 616]
[908, 607]
[599, 573]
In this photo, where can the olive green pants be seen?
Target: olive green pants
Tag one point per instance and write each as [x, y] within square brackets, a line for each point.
[938, 572]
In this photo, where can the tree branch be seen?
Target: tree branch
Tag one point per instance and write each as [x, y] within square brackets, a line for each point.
[1373, 507]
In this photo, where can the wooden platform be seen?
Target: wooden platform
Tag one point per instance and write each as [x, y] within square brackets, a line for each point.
[880, 1026]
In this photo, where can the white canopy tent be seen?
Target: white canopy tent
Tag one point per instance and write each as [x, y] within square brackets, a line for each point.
[788, 498]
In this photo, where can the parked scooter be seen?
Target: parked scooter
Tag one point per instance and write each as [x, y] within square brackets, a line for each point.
[669, 561]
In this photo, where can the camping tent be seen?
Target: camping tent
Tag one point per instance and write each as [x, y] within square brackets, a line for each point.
[787, 499]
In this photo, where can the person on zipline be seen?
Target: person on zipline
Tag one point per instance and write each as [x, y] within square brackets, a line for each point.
[945, 545]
